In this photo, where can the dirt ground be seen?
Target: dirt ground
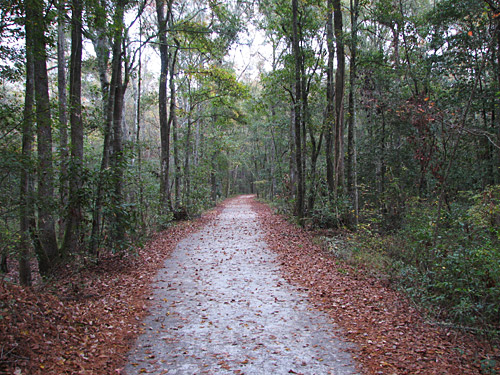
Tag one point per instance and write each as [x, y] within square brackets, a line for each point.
[221, 306]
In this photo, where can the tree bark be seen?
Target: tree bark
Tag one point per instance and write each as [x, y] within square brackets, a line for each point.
[339, 99]
[165, 204]
[213, 178]
[63, 118]
[329, 121]
[101, 44]
[315, 151]
[48, 253]
[113, 94]
[173, 125]
[382, 160]
[75, 215]
[138, 129]
[299, 204]
[187, 153]
[117, 162]
[292, 183]
[27, 191]
[352, 183]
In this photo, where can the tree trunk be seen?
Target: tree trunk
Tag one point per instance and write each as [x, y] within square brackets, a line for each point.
[352, 188]
[173, 125]
[48, 254]
[213, 179]
[26, 204]
[187, 154]
[117, 157]
[315, 151]
[112, 149]
[292, 183]
[329, 120]
[299, 205]
[63, 119]
[197, 141]
[101, 43]
[75, 215]
[382, 165]
[339, 99]
[138, 129]
[273, 159]
[303, 120]
[165, 204]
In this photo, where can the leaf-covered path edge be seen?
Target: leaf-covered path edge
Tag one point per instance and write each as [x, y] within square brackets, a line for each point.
[85, 321]
[391, 335]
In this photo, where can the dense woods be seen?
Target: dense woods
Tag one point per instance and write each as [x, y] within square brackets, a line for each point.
[376, 120]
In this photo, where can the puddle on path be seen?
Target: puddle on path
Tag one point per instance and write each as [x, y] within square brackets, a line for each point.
[220, 306]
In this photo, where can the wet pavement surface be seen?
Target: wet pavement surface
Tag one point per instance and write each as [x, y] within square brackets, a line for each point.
[220, 306]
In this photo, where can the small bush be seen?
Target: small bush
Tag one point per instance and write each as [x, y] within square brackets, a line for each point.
[330, 213]
[455, 275]
[458, 276]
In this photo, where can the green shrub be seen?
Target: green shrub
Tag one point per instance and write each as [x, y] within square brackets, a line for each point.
[456, 274]
[330, 213]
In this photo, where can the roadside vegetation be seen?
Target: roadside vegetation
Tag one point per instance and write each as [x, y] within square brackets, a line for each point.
[375, 122]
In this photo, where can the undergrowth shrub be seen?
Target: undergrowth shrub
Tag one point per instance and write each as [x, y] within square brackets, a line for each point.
[330, 213]
[454, 274]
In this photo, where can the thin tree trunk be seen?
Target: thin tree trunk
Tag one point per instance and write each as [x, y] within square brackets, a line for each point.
[299, 205]
[112, 149]
[26, 204]
[197, 142]
[48, 254]
[162, 108]
[187, 150]
[213, 178]
[292, 159]
[383, 167]
[63, 119]
[273, 159]
[75, 215]
[174, 125]
[117, 162]
[304, 121]
[352, 183]
[228, 177]
[138, 129]
[329, 120]
[315, 151]
[101, 46]
[339, 99]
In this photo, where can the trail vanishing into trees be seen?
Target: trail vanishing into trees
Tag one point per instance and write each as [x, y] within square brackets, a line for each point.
[239, 290]
[220, 306]
[371, 128]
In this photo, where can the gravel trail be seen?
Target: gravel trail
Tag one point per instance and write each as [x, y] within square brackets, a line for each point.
[220, 306]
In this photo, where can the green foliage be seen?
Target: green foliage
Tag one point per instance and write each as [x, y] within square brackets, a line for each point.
[11, 165]
[331, 212]
[456, 279]
[11, 31]
[485, 212]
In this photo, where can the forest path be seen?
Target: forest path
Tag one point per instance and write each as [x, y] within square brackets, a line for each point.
[221, 306]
